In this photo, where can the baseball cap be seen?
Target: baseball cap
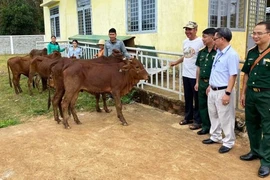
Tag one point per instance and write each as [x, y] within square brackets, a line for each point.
[191, 25]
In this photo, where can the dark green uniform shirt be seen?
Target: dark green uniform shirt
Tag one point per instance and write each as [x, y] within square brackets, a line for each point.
[260, 75]
[204, 61]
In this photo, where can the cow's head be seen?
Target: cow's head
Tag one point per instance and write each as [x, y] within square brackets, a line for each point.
[55, 54]
[44, 52]
[135, 69]
[117, 53]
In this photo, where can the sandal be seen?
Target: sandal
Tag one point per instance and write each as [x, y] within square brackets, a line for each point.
[195, 126]
[184, 122]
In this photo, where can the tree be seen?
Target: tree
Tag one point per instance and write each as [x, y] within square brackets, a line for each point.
[18, 17]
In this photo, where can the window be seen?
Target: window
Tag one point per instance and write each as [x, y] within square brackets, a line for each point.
[84, 17]
[141, 15]
[55, 24]
[227, 13]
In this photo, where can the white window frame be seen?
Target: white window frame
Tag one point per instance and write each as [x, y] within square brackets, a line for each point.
[84, 28]
[139, 17]
[55, 22]
[227, 8]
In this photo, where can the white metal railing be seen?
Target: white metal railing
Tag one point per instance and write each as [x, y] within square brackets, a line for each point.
[156, 63]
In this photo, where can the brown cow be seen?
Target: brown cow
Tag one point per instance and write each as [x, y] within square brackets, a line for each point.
[38, 52]
[42, 66]
[116, 78]
[59, 84]
[18, 65]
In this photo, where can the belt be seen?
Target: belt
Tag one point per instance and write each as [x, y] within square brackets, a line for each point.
[218, 88]
[205, 79]
[260, 89]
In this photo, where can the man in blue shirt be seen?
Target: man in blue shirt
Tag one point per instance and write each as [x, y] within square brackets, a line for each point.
[114, 43]
[221, 93]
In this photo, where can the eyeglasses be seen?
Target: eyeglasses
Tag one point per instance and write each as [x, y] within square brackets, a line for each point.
[258, 33]
[217, 38]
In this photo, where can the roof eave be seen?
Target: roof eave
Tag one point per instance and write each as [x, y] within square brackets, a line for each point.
[49, 3]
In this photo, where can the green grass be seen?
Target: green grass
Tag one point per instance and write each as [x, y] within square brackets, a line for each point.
[15, 109]
[6, 123]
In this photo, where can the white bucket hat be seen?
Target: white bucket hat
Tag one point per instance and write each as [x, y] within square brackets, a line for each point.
[101, 42]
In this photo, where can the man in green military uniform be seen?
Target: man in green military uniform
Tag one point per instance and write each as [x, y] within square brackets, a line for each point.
[204, 64]
[255, 98]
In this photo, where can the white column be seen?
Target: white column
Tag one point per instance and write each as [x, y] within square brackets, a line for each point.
[11, 45]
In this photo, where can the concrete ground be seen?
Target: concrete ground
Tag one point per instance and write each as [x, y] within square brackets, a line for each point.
[153, 146]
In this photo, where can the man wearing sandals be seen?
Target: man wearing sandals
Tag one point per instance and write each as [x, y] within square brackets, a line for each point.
[221, 93]
[204, 64]
[191, 47]
[255, 98]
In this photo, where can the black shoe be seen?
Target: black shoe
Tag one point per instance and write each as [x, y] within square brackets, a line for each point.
[224, 149]
[208, 141]
[202, 132]
[249, 157]
[264, 171]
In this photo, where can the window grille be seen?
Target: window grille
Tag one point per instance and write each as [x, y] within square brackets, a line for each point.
[84, 17]
[227, 13]
[141, 15]
[55, 22]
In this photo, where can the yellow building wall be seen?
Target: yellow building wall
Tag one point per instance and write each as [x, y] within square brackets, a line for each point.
[171, 17]
[68, 19]
[170, 21]
[201, 10]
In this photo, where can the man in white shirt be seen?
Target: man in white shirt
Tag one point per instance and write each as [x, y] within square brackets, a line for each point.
[191, 47]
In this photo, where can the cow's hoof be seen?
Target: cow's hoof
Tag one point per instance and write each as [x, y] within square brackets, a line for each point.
[98, 110]
[124, 123]
[67, 127]
[78, 122]
[108, 110]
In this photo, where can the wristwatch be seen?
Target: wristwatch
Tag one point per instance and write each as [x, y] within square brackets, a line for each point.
[227, 93]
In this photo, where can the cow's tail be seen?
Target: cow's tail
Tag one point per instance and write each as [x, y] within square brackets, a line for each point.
[9, 78]
[49, 93]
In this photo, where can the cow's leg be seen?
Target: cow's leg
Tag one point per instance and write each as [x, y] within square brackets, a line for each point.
[36, 82]
[118, 106]
[72, 108]
[97, 102]
[19, 88]
[60, 109]
[19, 85]
[44, 83]
[65, 104]
[15, 81]
[30, 81]
[56, 102]
[105, 107]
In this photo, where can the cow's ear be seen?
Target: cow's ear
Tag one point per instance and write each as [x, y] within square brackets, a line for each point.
[126, 67]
